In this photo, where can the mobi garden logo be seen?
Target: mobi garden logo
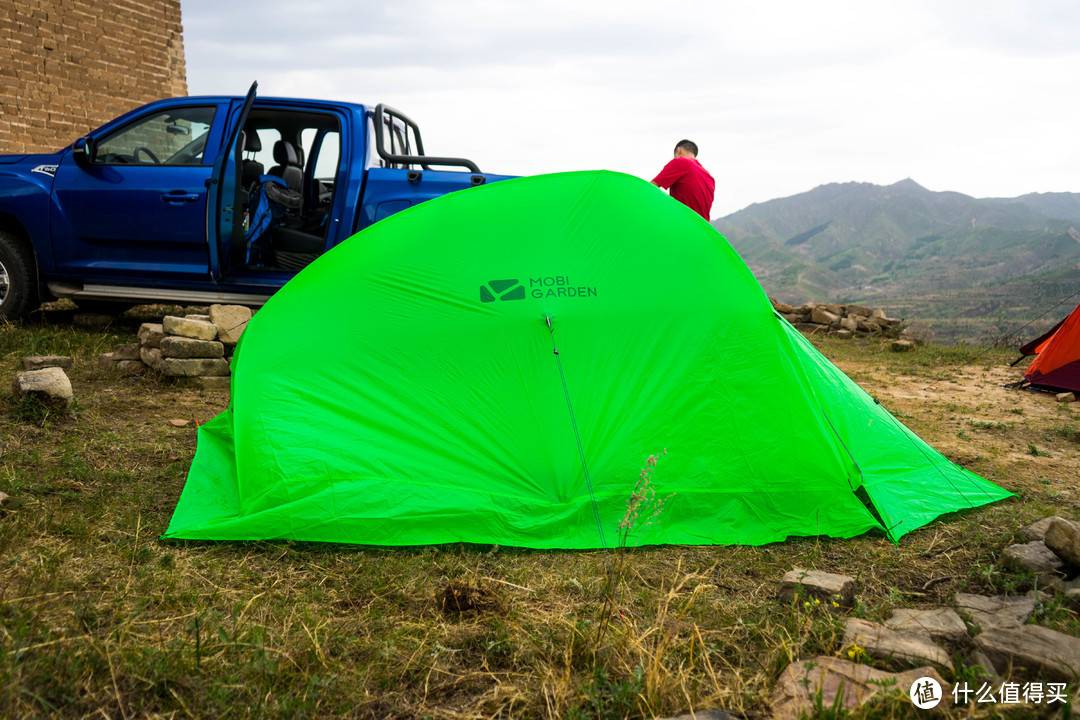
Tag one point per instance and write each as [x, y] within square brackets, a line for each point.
[548, 286]
[502, 290]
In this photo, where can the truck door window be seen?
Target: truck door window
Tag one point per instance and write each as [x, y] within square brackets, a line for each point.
[170, 137]
[329, 154]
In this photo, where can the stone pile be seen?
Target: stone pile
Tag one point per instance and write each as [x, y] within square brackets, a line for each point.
[1051, 552]
[990, 632]
[991, 635]
[195, 349]
[837, 319]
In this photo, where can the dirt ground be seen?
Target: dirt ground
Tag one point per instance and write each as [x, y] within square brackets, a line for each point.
[1022, 439]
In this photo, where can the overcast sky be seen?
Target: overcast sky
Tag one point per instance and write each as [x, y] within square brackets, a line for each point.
[977, 96]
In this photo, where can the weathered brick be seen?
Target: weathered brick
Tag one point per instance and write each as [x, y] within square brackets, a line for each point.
[96, 60]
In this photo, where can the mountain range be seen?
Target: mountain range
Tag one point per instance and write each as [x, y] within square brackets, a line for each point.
[958, 268]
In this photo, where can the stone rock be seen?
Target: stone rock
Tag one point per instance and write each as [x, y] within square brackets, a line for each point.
[938, 623]
[837, 309]
[849, 323]
[783, 308]
[1070, 590]
[39, 362]
[1066, 397]
[842, 334]
[1034, 651]
[109, 361]
[989, 670]
[879, 314]
[1034, 556]
[184, 327]
[3, 496]
[93, 321]
[1001, 611]
[130, 367]
[199, 318]
[152, 357]
[1037, 530]
[233, 319]
[49, 385]
[809, 328]
[868, 326]
[860, 310]
[192, 367]
[203, 382]
[803, 681]
[880, 642]
[821, 316]
[175, 346]
[1063, 538]
[127, 351]
[150, 334]
[818, 584]
[706, 715]
[902, 345]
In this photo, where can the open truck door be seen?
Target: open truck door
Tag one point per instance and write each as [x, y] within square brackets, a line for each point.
[226, 199]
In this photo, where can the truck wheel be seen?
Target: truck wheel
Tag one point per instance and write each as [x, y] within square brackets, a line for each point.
[18, 286]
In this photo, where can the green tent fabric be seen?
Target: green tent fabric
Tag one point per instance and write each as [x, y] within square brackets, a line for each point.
[495, 366]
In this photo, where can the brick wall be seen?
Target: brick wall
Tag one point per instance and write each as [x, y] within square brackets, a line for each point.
[68, 66]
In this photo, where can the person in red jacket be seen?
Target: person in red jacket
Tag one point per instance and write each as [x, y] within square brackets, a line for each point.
[690, 183]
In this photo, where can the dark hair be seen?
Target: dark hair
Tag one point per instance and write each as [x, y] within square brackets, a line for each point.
[687, 145]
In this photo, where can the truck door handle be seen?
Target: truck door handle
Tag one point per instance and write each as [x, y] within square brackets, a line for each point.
[179, 196]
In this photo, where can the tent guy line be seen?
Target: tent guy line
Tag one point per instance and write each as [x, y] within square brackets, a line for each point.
[577, 435]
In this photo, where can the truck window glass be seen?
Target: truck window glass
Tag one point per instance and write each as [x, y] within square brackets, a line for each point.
[326, 164]
[170, 137]
[267, 138]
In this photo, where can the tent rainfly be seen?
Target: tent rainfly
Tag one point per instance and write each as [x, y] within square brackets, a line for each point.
[495, 365]
[1057, 356]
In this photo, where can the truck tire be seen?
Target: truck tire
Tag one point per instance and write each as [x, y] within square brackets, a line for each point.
[18, 278]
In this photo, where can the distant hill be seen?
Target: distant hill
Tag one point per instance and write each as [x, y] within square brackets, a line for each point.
[964, 268]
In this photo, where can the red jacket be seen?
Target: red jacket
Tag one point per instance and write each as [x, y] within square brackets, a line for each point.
[690, 183]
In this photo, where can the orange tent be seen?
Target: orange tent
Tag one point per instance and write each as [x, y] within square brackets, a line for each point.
[1057, 357]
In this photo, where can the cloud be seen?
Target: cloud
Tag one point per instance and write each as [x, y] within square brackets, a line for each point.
[781, 96]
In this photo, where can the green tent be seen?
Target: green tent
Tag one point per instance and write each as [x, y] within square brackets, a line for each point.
[494, 366]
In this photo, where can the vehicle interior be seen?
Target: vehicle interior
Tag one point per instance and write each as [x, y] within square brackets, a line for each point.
[287, 180]
[172, 137]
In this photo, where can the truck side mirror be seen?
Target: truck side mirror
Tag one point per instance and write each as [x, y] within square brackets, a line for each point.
[83, 151]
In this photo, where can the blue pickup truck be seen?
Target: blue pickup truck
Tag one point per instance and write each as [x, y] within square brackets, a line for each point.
[160, 204]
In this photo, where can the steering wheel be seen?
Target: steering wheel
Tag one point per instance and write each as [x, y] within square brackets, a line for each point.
[143, 149]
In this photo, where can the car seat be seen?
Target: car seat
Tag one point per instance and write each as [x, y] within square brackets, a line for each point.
[288, 166]
[251, 168]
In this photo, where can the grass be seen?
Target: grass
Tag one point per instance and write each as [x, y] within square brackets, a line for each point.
[100, 618]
